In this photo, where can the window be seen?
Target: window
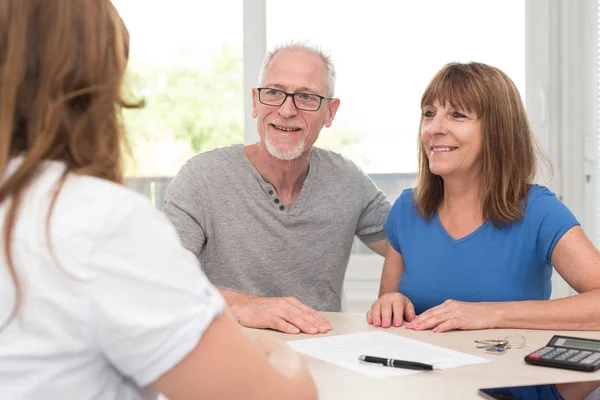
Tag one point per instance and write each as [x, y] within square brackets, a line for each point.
[385, 53]
[186, 61]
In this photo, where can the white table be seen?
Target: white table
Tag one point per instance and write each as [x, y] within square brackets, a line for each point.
[509, 369]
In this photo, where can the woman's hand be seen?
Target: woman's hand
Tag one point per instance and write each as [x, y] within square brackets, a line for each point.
[453, 314]
[390, 308]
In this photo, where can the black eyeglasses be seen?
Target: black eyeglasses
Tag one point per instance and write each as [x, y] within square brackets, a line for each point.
[302, 101]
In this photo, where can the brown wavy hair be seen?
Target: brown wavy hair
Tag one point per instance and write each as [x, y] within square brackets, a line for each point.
[62, 64]
[510, 151]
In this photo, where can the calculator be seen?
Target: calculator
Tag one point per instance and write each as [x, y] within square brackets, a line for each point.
[568, 352]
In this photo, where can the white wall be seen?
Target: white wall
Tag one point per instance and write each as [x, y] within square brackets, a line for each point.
[562, 88]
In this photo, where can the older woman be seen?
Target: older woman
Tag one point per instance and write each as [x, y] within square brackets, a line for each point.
[473, 244]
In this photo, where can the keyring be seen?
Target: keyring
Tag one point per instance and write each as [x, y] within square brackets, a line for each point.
[515, 341]
[499, 346]
[492, 343]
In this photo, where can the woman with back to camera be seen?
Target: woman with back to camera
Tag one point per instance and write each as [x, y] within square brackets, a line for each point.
[98, 299]
[473, 244]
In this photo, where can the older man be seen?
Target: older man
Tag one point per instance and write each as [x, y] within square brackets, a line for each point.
[273, 222]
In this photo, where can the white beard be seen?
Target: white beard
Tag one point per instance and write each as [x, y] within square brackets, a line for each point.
[284, 155]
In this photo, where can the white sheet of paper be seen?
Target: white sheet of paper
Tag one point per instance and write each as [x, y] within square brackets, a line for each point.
[344, 350]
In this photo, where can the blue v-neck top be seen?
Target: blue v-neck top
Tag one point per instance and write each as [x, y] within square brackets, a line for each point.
[489, 264]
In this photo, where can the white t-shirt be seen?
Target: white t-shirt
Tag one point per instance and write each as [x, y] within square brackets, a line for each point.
[124, 305]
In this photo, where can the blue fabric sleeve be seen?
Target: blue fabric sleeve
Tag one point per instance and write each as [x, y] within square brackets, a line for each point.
[550, 220]
[391, 226]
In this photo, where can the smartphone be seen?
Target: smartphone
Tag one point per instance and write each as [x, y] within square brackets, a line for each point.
[541, 392]
[493, 394]
[538, 392]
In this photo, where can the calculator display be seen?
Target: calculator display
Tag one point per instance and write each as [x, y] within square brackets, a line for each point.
[579, 344]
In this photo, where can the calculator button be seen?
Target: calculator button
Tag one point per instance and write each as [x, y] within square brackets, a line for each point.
[580, 356]
[535, 356]
[560, 350]
[566, 355]
[543, 351]
[591, 359]
[553, 354]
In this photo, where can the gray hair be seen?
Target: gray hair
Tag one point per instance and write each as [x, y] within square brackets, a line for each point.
[301, 46]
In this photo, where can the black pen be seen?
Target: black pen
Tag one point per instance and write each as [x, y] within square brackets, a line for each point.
[390, 362]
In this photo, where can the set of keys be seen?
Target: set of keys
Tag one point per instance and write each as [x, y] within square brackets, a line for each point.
[494, 346]
[499, 346]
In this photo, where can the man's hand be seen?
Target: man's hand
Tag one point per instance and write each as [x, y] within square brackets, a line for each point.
[453, 314]
[285, 314]
[390, 309]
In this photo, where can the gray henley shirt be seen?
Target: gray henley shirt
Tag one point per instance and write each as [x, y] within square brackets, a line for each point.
[248, 241]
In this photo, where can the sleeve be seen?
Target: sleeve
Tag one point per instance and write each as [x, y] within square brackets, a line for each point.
[550, 220]
[149, 300]
[392, 226]
[375, 210]
[185, 207]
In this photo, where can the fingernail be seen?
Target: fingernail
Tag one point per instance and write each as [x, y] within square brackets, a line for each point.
[376, 322]
[323, 328]
[415, 326]
[435, 329]
[313, 330]
[386, 324]
[409, 325]
[396, 323]
[295, 330]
